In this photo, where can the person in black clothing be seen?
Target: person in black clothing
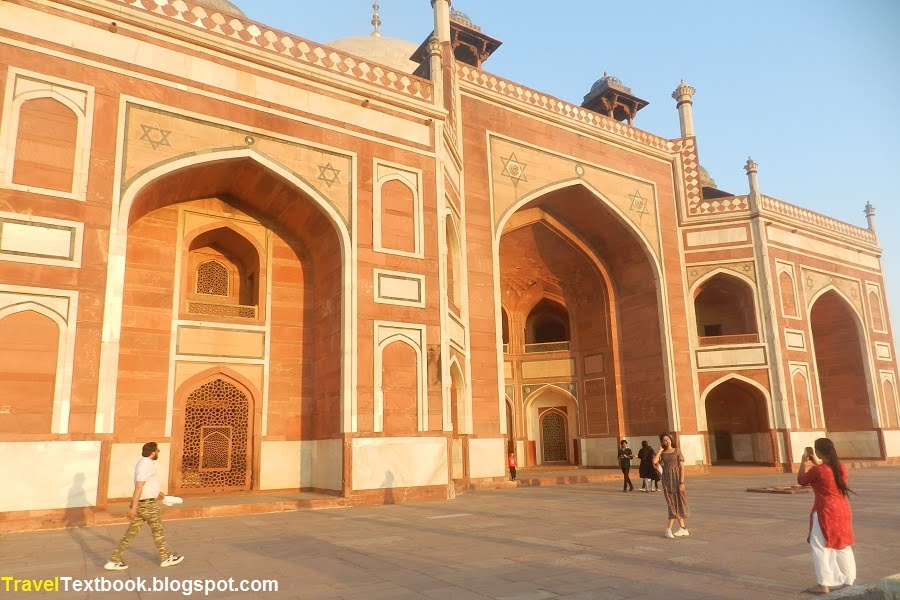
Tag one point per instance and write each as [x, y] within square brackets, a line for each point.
[625, 458]
[647, 471]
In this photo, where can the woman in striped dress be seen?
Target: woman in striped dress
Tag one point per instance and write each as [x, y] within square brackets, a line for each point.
[672, 462]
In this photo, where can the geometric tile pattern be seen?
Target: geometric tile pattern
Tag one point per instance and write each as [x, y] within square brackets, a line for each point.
[560, 107]
[807, 216]
[278, 42]
[715, 206]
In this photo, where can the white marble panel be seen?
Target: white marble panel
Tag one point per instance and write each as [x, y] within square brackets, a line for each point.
[800, 440]
[324, 461]
[599, 452]
[123, 458]
[33, 239]
[883, 351]
[892, 442]
[457, 460]
[487, 457]
[538, 369]
[692, 448]
[856, 444]
[794, 339]
[399, 462]
[729, 235]
[49, 475]
[279, 465]
[737, 357]
[404, 289]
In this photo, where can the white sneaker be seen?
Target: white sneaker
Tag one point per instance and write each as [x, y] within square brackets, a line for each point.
[173, 559]
[669, 534]
[682, 533]
[115, 566]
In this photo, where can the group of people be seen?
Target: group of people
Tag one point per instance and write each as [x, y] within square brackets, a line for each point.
[830, 522]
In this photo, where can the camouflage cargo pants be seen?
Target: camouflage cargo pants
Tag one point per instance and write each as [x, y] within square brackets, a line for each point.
[147, 512]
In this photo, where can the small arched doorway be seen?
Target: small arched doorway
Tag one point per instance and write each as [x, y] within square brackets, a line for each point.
[213, 444]
[551, 427]
[554, 448]
[738, 424]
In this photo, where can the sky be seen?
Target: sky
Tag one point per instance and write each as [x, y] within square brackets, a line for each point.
[808, 88]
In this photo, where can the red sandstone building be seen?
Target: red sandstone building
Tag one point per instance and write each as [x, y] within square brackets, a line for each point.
[372, 265]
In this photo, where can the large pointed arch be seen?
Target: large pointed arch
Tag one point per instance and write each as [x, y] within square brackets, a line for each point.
[865, 357]
[115, 281]
[656, 273]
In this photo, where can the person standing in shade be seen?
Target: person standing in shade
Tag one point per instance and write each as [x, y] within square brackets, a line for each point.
[625, 458]
[145, 509]
[672, 463]
[647, 471]
[830, 522]
[512, 463]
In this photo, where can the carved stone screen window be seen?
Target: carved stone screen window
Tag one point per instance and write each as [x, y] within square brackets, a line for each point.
[216, 450]
[212, 279]
[553, 433]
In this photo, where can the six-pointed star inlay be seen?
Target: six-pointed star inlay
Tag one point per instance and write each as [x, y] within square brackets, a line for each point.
[329, 175]
[155, 135]
[514, 169]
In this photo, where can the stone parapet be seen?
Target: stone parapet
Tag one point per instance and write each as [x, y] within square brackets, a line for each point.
[256, 35]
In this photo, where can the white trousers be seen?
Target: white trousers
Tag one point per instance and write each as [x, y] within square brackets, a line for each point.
[833, 567]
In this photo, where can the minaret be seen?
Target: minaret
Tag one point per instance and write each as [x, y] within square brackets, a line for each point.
[376, 20]
[683, 94]
[751, 167]
[870, 216]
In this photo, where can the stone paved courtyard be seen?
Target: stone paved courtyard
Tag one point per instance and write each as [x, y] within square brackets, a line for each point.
[578, 541]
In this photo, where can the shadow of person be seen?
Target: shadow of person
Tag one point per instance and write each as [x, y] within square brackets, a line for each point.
[388, 485]
[77, 520]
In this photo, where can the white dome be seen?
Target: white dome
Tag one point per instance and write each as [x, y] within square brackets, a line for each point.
[389, 52]
[223, 6]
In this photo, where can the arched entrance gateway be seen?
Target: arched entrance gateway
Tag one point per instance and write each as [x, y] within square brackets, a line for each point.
[232, 324]
[581, 310]
[843, 376]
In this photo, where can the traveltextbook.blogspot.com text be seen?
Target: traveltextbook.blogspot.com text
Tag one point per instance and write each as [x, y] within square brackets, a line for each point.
[187, 587]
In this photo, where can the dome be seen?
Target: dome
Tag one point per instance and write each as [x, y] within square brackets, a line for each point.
[461, 17]
[390, 52]
[705, 179]
[608, 81]
[223, 6]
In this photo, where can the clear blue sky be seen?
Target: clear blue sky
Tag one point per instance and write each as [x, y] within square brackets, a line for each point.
[808, 88]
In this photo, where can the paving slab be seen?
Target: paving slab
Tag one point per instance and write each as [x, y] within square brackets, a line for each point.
[527, 543]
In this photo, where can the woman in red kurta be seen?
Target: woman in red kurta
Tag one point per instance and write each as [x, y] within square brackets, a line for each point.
[830, 522]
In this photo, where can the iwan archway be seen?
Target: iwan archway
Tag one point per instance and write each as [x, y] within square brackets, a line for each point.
[229, 260]
[844, 375]
[580, 288]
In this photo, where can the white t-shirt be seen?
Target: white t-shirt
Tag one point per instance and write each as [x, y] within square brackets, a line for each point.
[145, 471]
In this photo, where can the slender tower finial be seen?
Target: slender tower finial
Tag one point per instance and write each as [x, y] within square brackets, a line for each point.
[376, 20]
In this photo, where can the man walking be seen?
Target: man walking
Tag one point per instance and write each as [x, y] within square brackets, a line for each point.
[145, 508]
